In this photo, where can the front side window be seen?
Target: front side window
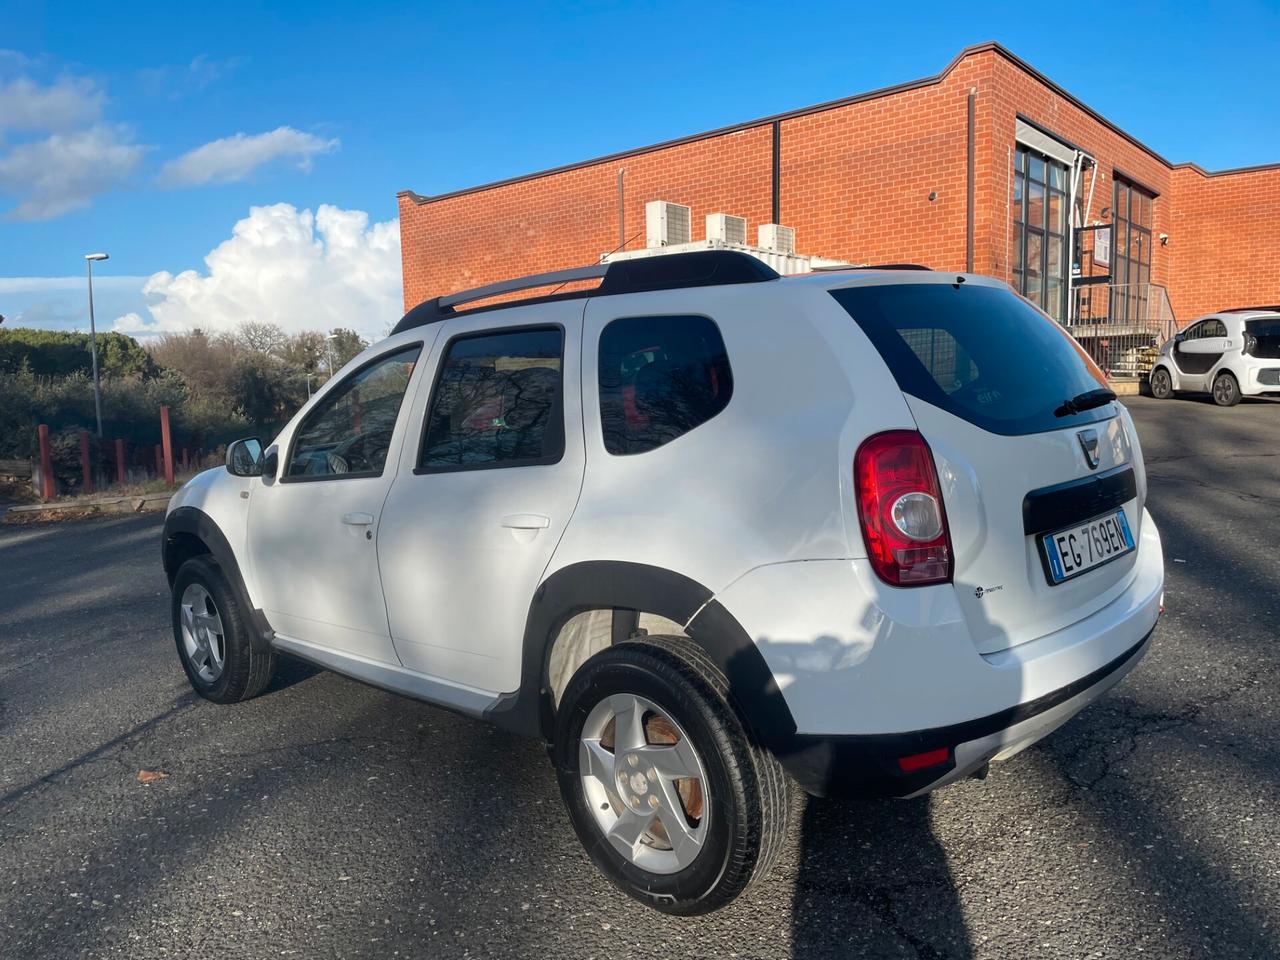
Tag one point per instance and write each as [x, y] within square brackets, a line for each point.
[498, 402]
[660, 377]
[349, 432]
[978, 352]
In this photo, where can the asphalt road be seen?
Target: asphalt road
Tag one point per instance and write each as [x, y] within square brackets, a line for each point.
[329, 819]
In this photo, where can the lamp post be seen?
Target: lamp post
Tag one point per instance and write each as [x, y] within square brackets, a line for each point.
[328, 346]
[93, 340]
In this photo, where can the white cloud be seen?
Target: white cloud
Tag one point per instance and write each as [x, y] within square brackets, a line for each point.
[234, 158]
[176, 82]
[66, 170]
[286, 266]
[67, 103]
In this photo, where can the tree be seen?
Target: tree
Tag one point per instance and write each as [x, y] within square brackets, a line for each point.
[261, 337]
[346, 344]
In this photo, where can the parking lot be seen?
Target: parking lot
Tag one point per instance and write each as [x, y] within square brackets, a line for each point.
[330, 819]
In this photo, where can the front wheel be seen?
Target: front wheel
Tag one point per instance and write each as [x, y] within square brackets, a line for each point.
[666, 787]
[223, 661]
[1161, 384]
[1226, 392]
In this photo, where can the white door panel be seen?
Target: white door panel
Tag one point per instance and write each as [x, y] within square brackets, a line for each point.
[462, 550]
[312, 544]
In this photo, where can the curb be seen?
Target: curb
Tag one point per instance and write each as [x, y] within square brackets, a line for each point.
[147, 503]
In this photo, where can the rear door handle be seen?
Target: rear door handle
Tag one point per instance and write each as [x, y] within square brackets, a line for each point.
[526, 521]
[358, 519]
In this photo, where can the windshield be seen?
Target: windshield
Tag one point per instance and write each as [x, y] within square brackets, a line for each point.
[981, 353]
[1267, 334]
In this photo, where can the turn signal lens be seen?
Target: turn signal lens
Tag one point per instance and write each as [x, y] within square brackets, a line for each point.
[900, 507]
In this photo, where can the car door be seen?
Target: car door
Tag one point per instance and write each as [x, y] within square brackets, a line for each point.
[1199, 351]
[484, 491]
[312, 529]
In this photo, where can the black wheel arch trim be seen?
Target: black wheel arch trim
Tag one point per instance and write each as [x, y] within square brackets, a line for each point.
[621, 585]
[195, 522]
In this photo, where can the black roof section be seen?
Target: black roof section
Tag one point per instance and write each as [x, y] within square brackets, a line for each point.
[1273, 308]
[673, 271]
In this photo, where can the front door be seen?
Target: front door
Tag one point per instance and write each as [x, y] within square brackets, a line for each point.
[312, 544]
[484, 491]
[1199, 351]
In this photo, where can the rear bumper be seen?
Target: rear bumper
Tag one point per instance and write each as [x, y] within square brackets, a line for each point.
[867, 766]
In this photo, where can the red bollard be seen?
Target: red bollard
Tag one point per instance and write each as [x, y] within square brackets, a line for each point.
[119, 460]
[168, 445]
[46, 464]
[85, 473]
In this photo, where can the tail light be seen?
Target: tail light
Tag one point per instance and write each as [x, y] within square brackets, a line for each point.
[900, 506]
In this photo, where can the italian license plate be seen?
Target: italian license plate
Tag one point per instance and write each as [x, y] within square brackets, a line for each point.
[1083, 547]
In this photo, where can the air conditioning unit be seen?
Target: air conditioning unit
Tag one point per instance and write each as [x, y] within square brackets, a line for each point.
[727, 228]
[779, 239]
[665, 224]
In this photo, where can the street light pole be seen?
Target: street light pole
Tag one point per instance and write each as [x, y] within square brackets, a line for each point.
[93, 340]
[328, 346]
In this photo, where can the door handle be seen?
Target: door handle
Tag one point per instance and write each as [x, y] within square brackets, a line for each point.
[358, 519]
[526, 521]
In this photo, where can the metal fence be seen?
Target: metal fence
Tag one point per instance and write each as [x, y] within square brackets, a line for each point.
[1122, 325]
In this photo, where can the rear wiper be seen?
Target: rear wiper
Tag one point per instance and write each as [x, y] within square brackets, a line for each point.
[1085, 401]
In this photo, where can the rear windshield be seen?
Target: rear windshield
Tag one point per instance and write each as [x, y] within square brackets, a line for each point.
[980, 353]
[1266, 334]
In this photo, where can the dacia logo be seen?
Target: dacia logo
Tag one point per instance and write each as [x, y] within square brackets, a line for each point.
[1089, 444]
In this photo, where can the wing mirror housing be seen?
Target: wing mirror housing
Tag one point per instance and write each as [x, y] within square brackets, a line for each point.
[244, 457]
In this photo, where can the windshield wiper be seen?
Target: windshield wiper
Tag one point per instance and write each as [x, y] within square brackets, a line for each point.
[1085, 401]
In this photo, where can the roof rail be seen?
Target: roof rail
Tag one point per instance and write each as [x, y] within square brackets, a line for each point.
[673, 271]
[1271, 308]
[891, 266]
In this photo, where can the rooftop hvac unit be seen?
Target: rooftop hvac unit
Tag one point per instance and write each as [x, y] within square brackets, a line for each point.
[665, 223]
[727, 228]
[774, 236]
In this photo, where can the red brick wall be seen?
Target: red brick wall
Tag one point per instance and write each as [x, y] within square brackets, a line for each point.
[855, 183]
[1224, 240]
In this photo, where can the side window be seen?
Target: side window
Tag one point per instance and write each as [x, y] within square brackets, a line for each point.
[497, 402]
[349, 432]
[659, 378]
[1214, 328]
[1194, 332]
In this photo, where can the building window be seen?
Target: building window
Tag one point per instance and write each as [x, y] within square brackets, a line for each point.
[1040, 188]
[1131, 254]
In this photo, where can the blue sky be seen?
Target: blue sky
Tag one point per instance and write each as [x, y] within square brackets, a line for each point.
[339, 106]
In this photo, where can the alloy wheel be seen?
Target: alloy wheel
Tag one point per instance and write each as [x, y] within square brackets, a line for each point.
[1224, 390]
[203, 638]
[644, 783]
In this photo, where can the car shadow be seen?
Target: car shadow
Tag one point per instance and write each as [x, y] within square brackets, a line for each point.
[873, 881]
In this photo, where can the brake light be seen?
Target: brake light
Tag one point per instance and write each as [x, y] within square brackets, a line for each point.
[900, 506]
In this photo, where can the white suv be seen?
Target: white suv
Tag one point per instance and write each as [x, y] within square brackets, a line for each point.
[702, 530]
[1230, 354]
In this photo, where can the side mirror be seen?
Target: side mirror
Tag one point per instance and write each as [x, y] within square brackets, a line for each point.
[244, 457]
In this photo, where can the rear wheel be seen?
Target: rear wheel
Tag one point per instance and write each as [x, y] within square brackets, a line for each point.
[222, 660]
[667, 789]
[1226, 391]
[1161, 384]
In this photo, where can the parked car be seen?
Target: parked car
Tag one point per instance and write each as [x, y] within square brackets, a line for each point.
[1229, 355]
[702, 530]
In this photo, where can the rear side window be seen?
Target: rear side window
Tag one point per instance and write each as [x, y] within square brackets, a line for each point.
[980, 353]
[497, 402]
[660, 377]
[1263, 338]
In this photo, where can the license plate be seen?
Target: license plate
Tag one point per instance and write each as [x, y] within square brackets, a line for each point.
[1083, 547]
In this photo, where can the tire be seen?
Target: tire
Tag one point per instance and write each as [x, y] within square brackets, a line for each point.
[225, 663]
[736, 808]
[1226, 390]
[1161, 384]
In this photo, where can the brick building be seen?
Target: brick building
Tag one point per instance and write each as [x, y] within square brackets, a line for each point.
[988, 166]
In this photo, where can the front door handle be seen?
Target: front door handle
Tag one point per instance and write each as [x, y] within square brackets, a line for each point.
[526, 521]
[358, 519]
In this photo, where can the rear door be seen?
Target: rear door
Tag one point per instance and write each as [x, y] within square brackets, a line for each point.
[987, 377]
[487, 484]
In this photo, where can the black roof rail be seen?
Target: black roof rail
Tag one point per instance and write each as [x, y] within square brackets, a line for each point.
[672, 271]
[1270, 308]
[892, 266]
